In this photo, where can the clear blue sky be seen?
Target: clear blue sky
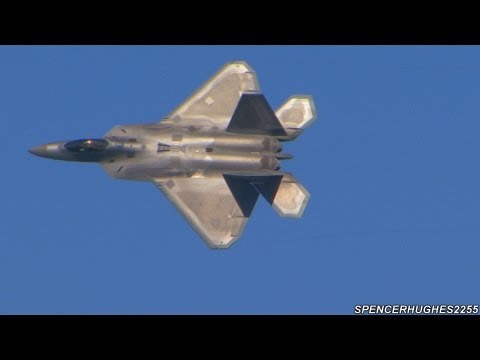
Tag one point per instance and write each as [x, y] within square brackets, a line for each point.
[392, 165]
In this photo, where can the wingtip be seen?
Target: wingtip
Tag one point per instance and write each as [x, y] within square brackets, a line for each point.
[240, 63]
[220, 245]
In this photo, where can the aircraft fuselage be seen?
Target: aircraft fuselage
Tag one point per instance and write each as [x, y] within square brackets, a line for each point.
[146, 152]
[212, 157]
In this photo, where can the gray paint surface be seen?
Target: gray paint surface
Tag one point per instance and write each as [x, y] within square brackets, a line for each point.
[211, 157]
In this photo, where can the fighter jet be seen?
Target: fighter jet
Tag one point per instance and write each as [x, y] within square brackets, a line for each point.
[211, 157]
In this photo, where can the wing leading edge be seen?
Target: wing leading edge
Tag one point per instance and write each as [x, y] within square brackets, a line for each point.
[218, 207]
[210, 207]
[215, 101]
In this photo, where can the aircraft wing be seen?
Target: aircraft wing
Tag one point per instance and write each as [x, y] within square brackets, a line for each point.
[215, 101]
[217, 207]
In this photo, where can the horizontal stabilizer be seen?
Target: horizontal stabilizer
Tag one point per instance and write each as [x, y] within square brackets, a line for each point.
[254, 116]
[297, 113]
[291, 198]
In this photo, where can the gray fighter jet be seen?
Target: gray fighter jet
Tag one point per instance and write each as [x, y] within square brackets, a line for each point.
[211, 157]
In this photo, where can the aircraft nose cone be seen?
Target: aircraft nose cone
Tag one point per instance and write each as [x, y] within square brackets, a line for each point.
[40, 150]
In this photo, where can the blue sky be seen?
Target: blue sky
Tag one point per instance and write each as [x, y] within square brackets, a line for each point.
[391, 164]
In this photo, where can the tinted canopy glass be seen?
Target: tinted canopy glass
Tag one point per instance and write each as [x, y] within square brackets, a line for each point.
[87, 145]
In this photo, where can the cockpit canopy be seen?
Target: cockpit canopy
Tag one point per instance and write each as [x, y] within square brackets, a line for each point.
[86, 145]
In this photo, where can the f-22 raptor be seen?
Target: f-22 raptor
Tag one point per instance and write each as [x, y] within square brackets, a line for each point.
[212, 156]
